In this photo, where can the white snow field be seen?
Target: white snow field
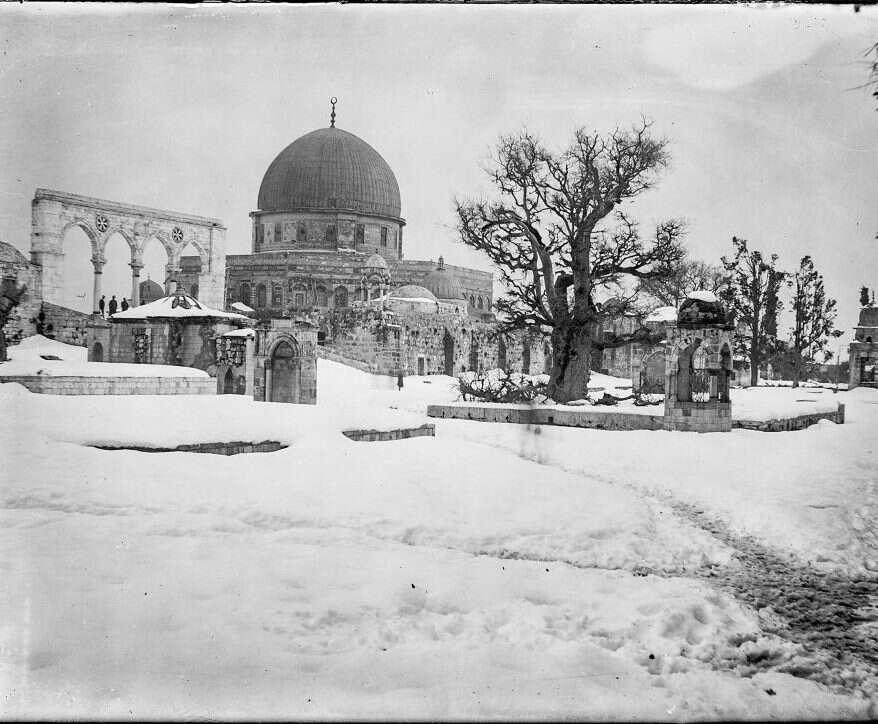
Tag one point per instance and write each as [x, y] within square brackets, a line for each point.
[493, 571]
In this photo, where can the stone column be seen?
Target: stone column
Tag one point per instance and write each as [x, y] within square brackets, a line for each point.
[98, 264]
[136, 266]
[171, 272]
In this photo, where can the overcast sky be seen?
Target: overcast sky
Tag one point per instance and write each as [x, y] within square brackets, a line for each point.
[184, 108]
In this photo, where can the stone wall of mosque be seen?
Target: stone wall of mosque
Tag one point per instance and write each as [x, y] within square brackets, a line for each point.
[328, 231]
[431, 343]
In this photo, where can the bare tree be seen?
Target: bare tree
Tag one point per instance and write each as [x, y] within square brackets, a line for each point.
[751, 291]
[690, 275]
[814, 317]
[545, 233]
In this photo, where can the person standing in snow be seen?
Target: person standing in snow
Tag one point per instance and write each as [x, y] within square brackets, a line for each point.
[124, 304]
[102, 305]
[399, 381]
[113, 305]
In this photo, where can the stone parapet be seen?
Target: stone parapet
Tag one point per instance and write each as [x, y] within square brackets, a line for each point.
[788, 424]
[548, 416]
[69, 385]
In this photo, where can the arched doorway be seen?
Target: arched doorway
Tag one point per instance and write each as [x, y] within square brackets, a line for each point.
[474, 353]
[285, 373]
[525, 357]
[501, 354]
[448, 344]
[97, 352]
[229, 382]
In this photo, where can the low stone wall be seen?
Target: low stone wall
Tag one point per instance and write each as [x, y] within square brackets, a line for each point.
[63, 385]
[612, 420]
[549, 416]
[425, 430]
[213, 448]
[800, 422]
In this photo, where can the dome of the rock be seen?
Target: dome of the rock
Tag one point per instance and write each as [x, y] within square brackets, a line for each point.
[330, 169]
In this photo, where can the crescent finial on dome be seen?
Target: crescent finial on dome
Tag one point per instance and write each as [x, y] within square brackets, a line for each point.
[332, 100]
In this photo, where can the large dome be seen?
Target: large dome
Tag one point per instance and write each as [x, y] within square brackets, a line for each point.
[330, 169]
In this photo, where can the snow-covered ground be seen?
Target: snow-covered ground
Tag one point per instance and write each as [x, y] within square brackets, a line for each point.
[26, 359]
[491, 571]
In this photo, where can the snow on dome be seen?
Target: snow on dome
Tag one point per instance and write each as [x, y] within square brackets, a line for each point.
[662, 314]
[176, 306]
[703, 295]
[376, 261]
[413, 291]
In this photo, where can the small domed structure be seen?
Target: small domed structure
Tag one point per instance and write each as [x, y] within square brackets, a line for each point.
[413, 291]
[701, 308]
[150, 291]
[375, 263]
[443, 283]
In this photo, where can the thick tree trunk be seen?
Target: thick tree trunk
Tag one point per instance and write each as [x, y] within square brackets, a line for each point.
[754, 365]
[572, 348]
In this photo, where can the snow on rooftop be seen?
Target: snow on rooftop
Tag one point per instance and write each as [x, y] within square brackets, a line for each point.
[241, 307]
[175, 306]
[244, 332]
[703, 296]
[662, 314]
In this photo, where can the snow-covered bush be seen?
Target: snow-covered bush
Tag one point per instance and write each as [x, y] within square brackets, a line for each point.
[498, 386]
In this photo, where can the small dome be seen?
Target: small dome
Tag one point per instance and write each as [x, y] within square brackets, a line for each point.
[150, 291]
[443, 283]
[413, 291]
[10, 255]
[700, 309]
[330, 169]
[375, 262]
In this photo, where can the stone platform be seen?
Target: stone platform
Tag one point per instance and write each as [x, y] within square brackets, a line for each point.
[611, 419]
[72, 385]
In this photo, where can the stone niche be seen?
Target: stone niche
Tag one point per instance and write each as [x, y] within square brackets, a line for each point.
[284, 362]
[698, 367]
